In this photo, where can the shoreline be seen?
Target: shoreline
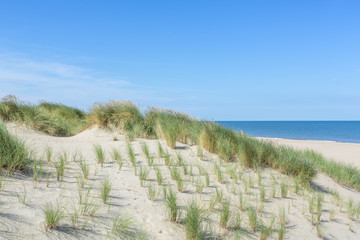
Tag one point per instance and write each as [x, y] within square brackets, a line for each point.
[343, 152]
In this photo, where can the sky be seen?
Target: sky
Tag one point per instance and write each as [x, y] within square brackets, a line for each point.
[215, 60]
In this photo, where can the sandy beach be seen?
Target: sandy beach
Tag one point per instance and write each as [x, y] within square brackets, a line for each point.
[25, 219]
[342, 152]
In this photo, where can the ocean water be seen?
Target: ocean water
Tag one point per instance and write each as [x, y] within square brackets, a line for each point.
[338, 131]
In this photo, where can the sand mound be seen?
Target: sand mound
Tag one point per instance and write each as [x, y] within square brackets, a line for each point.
[24, 196]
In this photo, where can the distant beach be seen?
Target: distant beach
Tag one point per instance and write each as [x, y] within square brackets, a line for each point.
[336, 131]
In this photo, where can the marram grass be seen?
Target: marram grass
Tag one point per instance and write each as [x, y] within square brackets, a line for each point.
[174, 127]
[14, 155]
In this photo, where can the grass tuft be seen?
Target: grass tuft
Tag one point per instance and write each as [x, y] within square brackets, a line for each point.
[100, 154]
[105, 189]
[53, 215]
[194, 221]
[13, 153]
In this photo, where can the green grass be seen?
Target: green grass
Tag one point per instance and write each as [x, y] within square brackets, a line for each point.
[60, 168]
[53, 215]
[149, 158]
[252, 216]
[116, 155]
[229, 145]
[122, 115]
[85, 169]
[194, 221]
[14, 155]
[172, 205]
[132, 157]
[283, 190]
[51, 118]
[105, 189]
[143, 175]
[48, 153]
[122, 227]
[151, 192]
[219, 173]
[159, 176]
[225, 214]
[99, 154]
[160, 150]
[340, 172]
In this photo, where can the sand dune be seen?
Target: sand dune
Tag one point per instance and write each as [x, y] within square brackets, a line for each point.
[129, 199]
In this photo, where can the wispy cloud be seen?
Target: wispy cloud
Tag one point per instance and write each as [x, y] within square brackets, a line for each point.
[33, 80]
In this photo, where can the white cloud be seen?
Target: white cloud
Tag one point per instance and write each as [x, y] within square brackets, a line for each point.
[34, 80]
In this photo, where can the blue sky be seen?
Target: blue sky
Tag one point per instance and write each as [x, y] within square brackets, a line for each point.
[217, 60]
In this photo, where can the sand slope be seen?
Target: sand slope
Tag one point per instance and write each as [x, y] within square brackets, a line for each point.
[129, 199]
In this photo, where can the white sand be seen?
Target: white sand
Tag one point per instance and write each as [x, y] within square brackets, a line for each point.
[128, 198]
[343, 152]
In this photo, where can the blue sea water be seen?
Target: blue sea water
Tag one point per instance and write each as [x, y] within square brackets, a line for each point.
[338, 131]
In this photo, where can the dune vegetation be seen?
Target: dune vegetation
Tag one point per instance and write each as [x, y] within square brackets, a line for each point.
[208, 181]
[156, 123]
[50, 118]
[14, 155]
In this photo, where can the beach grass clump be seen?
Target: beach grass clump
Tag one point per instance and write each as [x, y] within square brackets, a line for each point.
[168, 160]
[149, 158]
[207, 179]
[161, 152]
[105, 189]
[22, 196]
[53, 215]
[85, 169]
[122, 115]
[122, 227]
[100, 154]
[60, 168]
[50, 118]
[262, 194]
[283, 190]
[340, 172]
[241, 201]
[252, 216]
[169, 129]
[200, 152]
[151, 192]
[14, 155]
[225, 214]
[159, 176]
[174, 173]
[194, 221]
[48, 153]
[282, 217]
[219, 173]
[116, 155]
[172, 205]
[180, 183]
[132, 157]
[143, 175]
[199, 186]
[351, 209]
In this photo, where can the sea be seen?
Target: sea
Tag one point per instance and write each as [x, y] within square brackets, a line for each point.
[337, 131]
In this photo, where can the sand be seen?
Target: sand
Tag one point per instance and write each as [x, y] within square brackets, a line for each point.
[129, 199]
[342, 152]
